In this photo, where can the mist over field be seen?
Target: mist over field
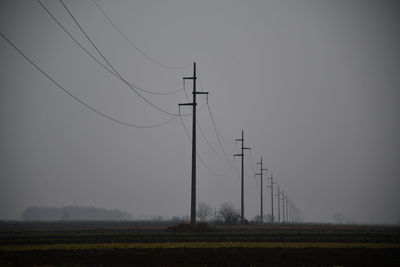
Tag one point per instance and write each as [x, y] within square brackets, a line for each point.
[313, 84]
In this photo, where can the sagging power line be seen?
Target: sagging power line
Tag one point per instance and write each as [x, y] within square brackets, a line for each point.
[110, 65]
[78, 99]
[101, 64]
[135, 46]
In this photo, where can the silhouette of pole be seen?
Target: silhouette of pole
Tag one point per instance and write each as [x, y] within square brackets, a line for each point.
[286, 208]
[279, 206]
[283, 207]
[242, 188]
[193, 182]
[261, 184]
[272, 197]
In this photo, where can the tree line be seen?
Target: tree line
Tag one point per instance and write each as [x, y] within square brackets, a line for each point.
[73, 213]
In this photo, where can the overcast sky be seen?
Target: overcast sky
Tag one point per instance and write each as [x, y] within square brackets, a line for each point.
[313, 84]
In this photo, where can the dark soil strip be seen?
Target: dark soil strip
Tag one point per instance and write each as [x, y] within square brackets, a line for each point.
[205, 257]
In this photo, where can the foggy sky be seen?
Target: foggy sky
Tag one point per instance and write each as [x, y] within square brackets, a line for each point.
[314, 84]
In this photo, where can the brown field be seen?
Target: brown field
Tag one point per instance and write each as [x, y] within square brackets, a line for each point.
[154, 244]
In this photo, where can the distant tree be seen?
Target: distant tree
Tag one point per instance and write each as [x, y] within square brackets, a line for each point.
[73, 213]
[228, 213]
[204, 211]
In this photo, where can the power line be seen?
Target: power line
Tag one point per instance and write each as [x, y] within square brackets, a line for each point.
[111, 66]
[76, 98]
[219, 140]
[218, 135]
[134, 46]
[201, 130]
[251, 162]
[198, 155]
[99, 62]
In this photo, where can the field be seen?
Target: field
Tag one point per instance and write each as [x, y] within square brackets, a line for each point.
[157, 244]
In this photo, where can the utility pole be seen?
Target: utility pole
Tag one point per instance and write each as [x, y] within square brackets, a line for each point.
[287, 210]
[193, 185]
[261, 184]
[242, 190]
[279, 212]
[272, 197]
[283, 207]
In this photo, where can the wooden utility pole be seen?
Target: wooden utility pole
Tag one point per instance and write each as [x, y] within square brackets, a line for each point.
[193, 182]
[242, 189]
[285, 198]
[283, 207]
[272, 197]
[279, 206]
[261, 184]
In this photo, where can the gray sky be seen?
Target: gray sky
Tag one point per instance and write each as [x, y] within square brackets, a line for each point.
[314, 84]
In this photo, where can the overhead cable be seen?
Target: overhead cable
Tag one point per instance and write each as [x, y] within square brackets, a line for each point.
[112, 67]
[198, 155]
[99, 62]
[201, 130]
[79, 100]
[219, 140]
[134, 46]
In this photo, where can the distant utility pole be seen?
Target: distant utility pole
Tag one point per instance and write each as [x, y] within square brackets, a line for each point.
[283, 207]
[272, 197]
[261, 184]
[193, 104]
[279, 206]
[242, 155]
[288, 210]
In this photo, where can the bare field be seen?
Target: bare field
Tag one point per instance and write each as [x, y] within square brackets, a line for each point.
[154, 244]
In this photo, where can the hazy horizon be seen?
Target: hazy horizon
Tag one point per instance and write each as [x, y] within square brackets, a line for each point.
[313, 84]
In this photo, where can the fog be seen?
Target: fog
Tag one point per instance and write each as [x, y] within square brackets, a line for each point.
[313, 84]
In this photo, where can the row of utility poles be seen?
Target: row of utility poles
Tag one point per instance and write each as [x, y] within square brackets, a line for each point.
[287, 205]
